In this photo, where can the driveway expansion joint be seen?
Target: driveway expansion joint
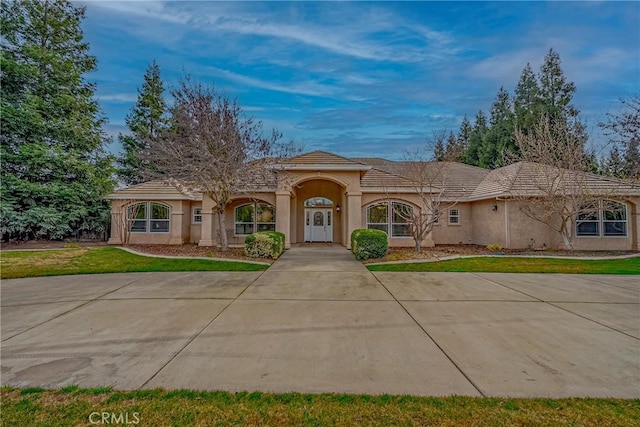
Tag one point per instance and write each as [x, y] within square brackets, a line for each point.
[555, 305]
[432, 339]
[76, 307]
[189, 341]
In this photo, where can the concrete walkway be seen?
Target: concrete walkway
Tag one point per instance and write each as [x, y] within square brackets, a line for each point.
[318, 321]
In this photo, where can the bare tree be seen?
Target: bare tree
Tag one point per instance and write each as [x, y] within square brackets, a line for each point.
[124, 219]
[623, 127]
[211, 146]
[428, 179]
[550, 180]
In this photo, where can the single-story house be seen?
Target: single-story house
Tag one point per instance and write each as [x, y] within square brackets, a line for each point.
[323, 197]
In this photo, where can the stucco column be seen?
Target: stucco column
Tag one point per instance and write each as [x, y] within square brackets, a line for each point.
[177, 218]
[117, 224]
[354, 211]
[634, 225]
[206, 228]
[283, 215]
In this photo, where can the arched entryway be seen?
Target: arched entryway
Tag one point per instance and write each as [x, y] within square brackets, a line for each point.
[318, 206]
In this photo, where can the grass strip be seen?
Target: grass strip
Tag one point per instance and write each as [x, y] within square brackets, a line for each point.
[520, 265]
[16, 264]
[75, 406]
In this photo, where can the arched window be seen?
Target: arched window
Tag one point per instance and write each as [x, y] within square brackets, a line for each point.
[396, 222]
[252, 217]
[604, 218]
[149, 217]
[318, 202]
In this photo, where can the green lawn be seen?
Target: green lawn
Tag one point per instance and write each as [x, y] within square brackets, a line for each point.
[74, 406]
[520, 265]
[14, 264]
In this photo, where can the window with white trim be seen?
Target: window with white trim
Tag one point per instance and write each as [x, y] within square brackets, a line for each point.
[454, 216]
[398, 224]
[605, 218]
[149, 217]
[252, 217]
[436, 216]
[197, 215]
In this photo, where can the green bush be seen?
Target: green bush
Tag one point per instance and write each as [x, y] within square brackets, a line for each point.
[264, 244]
[369, 243]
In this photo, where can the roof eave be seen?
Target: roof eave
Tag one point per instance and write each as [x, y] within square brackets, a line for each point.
[319, 167]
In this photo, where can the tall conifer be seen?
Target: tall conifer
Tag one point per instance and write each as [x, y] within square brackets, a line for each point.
[55, 171]
[146, 120]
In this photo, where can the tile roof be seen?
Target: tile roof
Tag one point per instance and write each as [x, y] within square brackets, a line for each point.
[456, 179]
[320, 158]
[529, 179]
[459, 181]
[156, 189]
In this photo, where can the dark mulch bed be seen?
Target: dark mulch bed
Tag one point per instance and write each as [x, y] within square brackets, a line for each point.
[191, 250]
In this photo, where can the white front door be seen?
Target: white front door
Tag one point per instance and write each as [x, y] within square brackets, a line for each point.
[318, 225]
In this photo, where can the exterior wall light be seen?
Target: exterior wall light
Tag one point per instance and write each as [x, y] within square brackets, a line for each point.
[494, 207]
[338, 208]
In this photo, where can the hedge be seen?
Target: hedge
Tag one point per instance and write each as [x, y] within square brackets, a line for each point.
[369, 243]
[264, 244]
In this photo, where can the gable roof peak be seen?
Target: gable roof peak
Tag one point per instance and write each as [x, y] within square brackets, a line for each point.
[320, 157]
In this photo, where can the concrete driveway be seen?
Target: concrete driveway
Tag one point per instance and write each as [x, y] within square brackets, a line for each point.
[318, 321]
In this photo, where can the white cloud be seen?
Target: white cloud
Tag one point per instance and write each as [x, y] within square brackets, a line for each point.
[143, 8]
[119, 97]
[351, 32]
[301, 88]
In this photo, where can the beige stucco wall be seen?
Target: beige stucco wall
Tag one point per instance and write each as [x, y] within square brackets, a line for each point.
[523, 229]
[453, 234]
[523, 232]
[488, 224]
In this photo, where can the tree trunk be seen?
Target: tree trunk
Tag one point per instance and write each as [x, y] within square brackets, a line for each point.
[222, 232]
[418, 246]
[566, 239]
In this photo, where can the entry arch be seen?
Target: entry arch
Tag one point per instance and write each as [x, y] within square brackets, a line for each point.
[325, 196]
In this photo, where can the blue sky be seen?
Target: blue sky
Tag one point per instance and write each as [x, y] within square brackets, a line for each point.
[364, 78]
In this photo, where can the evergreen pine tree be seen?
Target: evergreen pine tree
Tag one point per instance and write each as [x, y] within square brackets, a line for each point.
[613, 165]
[454, 151]
[146, 120]
[555, 93]
[525, 100]
[55, 172]
[439, 150]
[464, 133]
[623, 127]
[499, 141]
[476, 138]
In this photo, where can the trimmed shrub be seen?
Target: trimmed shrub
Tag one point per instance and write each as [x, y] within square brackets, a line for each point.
[494, 247]
[264, 244]
[369, 243]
